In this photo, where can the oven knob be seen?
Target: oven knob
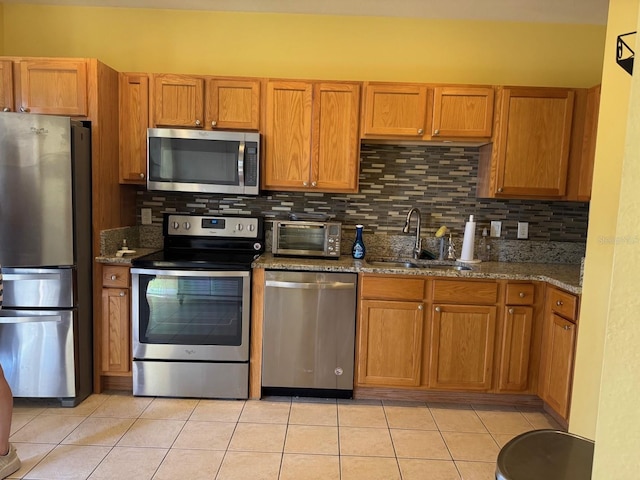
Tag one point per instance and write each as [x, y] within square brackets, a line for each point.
[176, 225]
[239, 227]
[251, 227]
[187, 225]
[331, 240]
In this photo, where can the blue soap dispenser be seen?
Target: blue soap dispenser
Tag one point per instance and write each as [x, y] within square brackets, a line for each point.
[358, 249]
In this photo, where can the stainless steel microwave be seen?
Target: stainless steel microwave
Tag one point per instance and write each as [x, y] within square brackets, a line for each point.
[182, 160]
[306, 239]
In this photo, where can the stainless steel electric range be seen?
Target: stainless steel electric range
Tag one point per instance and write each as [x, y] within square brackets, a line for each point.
[191, 308]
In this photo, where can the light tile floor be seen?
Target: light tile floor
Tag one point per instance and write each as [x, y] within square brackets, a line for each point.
[118, 436]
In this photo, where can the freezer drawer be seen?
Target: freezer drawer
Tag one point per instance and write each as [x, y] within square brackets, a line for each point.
[38, 287]
[309, 330]
[37, 354]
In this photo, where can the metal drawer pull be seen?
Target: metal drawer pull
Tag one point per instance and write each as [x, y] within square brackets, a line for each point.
[559, 303]
[522, 295]
[309, 286]
[114, 277]
[567, 327]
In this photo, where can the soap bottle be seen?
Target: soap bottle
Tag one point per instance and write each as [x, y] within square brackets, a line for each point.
[358, 249]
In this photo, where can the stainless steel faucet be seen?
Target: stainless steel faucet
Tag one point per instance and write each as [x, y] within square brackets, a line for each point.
[418, 246]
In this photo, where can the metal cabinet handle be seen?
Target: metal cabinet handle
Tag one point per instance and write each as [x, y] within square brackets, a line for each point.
[213, 123]
[142, 175]
[420, 307]
[305, 184]
[198, 123]
[437, 309]
[436, 132]
[420, 131]
[114, 277]
[314, 184]
[6, 109]
[511, 311]
[500, 190]
[559, 303]
[122, 294]
[24, 109]
[522, 295]
[567, 327]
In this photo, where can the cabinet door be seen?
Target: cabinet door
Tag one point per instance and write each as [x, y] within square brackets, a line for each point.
[56, 87]
[6, 86]
[335, 142]
[395, 109]
[178, 101]
[116, 326]
[390, 343]
[462, 339]
[559, 370]
[462, 112]
[134, 121]
[532, 148]
[515, 348]
[233, 104]
[287, 163]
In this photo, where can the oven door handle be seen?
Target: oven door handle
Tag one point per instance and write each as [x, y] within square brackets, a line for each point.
[190, 273]
[310, 285]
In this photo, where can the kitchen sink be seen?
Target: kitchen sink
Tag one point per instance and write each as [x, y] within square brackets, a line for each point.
[407, 264]
[392, 264]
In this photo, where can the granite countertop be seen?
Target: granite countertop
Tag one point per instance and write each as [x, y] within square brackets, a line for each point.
[126, 259]
[565, 276]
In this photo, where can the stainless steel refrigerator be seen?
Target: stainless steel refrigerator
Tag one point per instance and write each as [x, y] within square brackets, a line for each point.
[45, 253]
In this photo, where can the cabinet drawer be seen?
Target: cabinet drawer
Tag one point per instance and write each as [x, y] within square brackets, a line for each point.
[393, 288]
[520, 294]
[115, 276]
[563, 303]
[464, 291]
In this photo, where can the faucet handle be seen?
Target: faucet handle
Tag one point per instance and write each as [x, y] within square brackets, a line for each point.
[451, 249]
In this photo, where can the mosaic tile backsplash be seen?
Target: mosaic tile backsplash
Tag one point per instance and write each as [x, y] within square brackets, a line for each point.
[440, 181]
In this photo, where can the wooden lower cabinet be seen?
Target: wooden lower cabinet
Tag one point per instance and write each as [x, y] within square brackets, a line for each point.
[462, 340]
[559, 344]
[390, 343]
[115, 329]
[515, 349]
[390, 330]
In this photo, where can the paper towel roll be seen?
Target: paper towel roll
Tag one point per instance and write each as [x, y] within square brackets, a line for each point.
[468, 240]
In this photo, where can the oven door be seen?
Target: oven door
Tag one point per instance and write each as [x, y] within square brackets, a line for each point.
[190, 315]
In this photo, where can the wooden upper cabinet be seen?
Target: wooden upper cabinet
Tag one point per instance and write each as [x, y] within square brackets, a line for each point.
[233, 104]
[395, 109]
[134, 121]
[530, 154]
[179, 101]
[335, 140]
[589, 144]
[55, 86]
[6, 86]
[288, 135]
[311, 136]
[462, 111]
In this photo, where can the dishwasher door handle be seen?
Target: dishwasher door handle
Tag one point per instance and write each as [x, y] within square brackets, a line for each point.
[311, 285]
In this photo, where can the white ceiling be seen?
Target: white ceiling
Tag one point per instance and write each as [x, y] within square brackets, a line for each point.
[553, 11]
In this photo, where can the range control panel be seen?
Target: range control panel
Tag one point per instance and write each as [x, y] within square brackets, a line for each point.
[212, 226]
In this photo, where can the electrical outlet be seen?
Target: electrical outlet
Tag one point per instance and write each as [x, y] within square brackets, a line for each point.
[523, 230]
[145, 213]
[496, 228]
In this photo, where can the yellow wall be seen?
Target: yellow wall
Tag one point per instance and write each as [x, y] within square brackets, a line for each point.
[602, 235]
[2, 30]
[306, 46]
[617, 437]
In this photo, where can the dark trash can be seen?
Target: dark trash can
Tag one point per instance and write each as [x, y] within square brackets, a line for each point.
[547, 455]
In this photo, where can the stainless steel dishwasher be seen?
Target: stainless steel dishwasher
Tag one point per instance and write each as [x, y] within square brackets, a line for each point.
[309, 333]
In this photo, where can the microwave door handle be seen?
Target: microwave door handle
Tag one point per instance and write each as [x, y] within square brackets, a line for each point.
[241, 164]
